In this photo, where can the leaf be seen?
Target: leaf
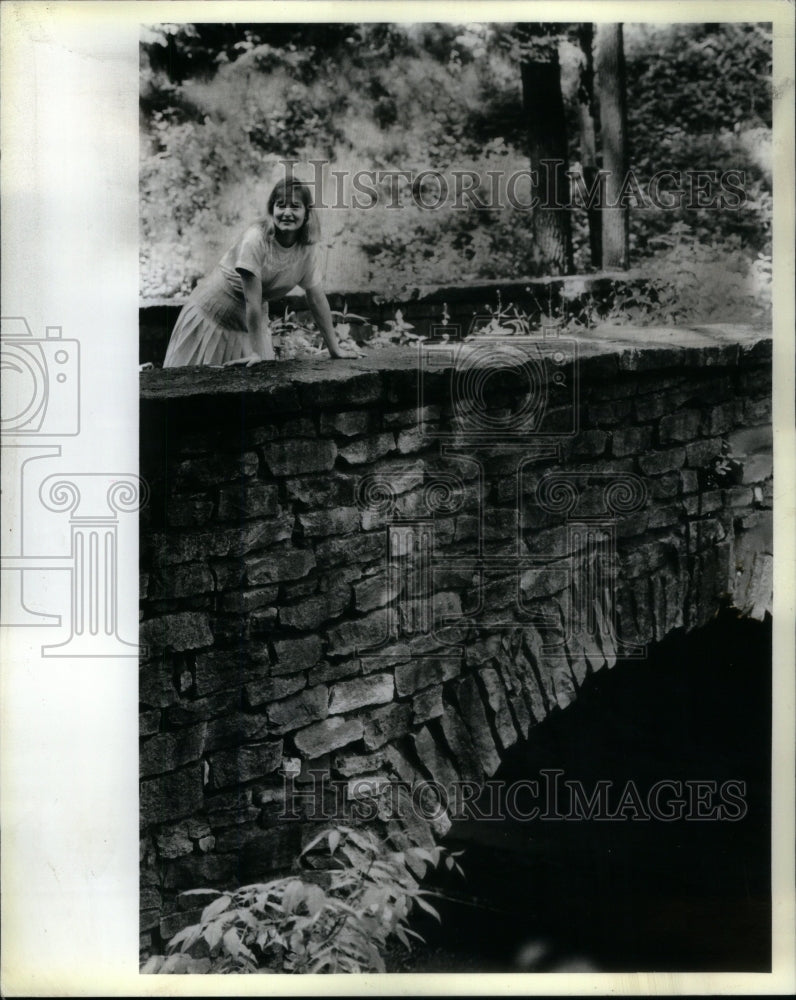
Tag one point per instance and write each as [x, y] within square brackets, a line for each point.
[247, 955]
[345, 908]
[172, 963]
[427, 907]
[356, 857]
[152, 965]
[216, 907]
[247, 917]
[334, 840]
[316, 899]
[186, 937]
[293, 895]
[421, 852]
[232, 942]
[316, 840]
[212, 934]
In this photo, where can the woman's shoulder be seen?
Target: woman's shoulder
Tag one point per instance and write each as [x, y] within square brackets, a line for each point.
[254, 235]
[248, 251]
[257, 230]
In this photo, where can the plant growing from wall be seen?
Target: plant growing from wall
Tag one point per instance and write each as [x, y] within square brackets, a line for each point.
[339, 916]
[298, 338]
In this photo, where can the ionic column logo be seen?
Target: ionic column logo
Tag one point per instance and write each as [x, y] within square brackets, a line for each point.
[94, 502]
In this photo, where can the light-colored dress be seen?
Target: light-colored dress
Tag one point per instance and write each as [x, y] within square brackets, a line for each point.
[211, 328]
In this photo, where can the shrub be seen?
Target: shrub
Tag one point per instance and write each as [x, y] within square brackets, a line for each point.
[336, 919]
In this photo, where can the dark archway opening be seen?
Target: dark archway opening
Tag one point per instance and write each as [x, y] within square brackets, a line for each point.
[691, 893]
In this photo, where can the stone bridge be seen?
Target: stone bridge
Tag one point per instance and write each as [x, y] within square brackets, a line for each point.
[392, 568]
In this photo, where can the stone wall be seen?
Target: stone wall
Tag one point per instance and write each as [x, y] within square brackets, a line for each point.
[394, 567]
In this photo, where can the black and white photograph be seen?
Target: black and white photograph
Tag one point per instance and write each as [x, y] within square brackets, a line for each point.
[457, 566]
[442, 550]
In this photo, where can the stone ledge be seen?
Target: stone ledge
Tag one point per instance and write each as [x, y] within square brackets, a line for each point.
[291, 386]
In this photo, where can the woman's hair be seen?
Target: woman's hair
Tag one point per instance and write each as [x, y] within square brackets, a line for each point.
[288, 189]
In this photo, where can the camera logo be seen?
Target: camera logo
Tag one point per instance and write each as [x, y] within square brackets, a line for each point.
[41, 399]
[40, 381]
[504, 386]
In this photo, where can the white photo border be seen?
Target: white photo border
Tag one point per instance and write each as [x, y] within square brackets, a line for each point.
[69, 767]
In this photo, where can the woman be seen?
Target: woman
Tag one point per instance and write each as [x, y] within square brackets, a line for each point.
[225, 320]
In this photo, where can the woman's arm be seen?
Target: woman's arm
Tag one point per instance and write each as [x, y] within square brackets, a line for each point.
[319, 307]
[259, 333]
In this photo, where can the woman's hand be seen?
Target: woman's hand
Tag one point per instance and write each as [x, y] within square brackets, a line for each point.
[319, 307]
[249, 360]
[347, 349]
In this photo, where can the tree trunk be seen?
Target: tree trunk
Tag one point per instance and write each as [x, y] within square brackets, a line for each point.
[588, 147]
[610, 62]
[547, 136]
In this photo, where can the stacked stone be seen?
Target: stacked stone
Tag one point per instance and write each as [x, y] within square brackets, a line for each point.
[267, 605]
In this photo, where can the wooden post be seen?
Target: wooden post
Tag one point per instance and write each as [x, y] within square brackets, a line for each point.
[547, 139]
[610, 65]
[588, 143]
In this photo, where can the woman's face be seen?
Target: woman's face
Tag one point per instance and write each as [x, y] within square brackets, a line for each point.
[289, 214]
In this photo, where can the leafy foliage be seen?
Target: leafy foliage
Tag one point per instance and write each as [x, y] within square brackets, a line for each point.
[693, 281]
[296, 336]
[399, 332]
[685, 282]
[339, 919]
[701, 77]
